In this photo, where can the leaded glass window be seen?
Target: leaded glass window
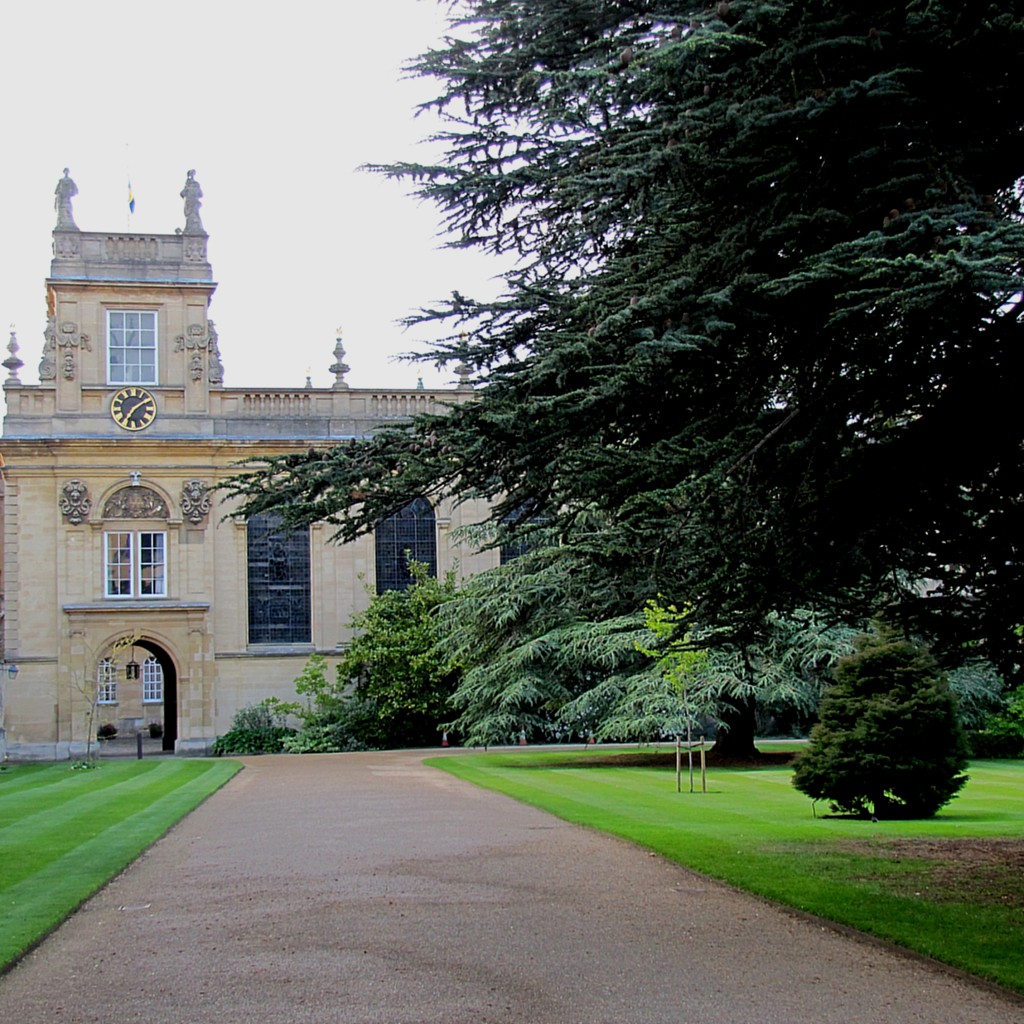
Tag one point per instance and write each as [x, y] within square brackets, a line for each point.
[279, 582]
[410, 533]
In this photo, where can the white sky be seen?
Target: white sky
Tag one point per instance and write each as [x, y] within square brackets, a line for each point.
[275, 107]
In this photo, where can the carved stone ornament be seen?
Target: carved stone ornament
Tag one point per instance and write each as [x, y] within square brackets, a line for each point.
[196, 366]
[195, 501]
[193, 338]
[195, 249]
[47, 364]
[65, 247]
[135, 503]
[68, 338]
[216, 366]
[75, 503]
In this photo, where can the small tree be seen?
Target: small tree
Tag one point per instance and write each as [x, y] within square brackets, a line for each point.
[679, 662]
[402, 683]
[329, 714]
[889, 739]
[90, 691]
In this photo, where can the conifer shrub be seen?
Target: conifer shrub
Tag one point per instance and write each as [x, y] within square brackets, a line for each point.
[889, 740]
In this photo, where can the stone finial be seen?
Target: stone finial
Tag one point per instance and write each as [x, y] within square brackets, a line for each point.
[65, 191]
[192, 194]
[12, 363]
[48, 363]
[338, 367]
[463, 370]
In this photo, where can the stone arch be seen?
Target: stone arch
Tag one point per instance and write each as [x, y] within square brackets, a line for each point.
[121, 649]
[135, 501]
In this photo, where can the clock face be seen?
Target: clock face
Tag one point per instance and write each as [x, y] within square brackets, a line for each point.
[133, 408]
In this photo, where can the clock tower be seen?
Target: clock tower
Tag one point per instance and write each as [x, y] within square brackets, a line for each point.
[128, 348]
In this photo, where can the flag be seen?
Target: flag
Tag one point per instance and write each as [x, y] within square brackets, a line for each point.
[131, 199]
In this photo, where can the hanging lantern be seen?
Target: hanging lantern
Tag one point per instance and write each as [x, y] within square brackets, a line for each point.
[131, 670]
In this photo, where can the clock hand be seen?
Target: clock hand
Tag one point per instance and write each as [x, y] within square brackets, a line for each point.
[144, 403]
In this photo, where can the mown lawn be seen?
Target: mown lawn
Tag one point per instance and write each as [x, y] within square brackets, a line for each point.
[951, 887]
[64, 833]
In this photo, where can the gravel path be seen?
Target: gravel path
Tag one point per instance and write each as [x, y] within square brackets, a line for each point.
[367, 887]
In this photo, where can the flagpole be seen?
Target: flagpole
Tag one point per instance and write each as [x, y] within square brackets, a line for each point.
[131, 194]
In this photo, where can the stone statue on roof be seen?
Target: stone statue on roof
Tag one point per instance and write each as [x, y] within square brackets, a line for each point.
[192, 193]
[64, 192]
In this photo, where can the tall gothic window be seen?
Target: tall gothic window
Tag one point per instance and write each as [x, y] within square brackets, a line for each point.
[279, 582]
[407, 534]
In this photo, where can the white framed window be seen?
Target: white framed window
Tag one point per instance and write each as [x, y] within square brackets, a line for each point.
[135, 564]
[131, 346]
[106, 682]
[152, 564]
[152, 682]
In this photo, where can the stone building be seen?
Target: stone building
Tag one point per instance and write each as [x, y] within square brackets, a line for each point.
[131, 595]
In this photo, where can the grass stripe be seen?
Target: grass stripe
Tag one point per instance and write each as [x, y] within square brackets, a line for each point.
[755, 831]
[82, 829]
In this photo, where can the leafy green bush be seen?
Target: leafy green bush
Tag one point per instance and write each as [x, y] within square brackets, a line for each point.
[889, 739]
[255, 729]
[323, 738]
[324, 728]
[402, 681]
[989, 745]
[1003, 732]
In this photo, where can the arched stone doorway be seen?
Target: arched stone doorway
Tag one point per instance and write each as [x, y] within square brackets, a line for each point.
[170, 690]
[147, 695]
